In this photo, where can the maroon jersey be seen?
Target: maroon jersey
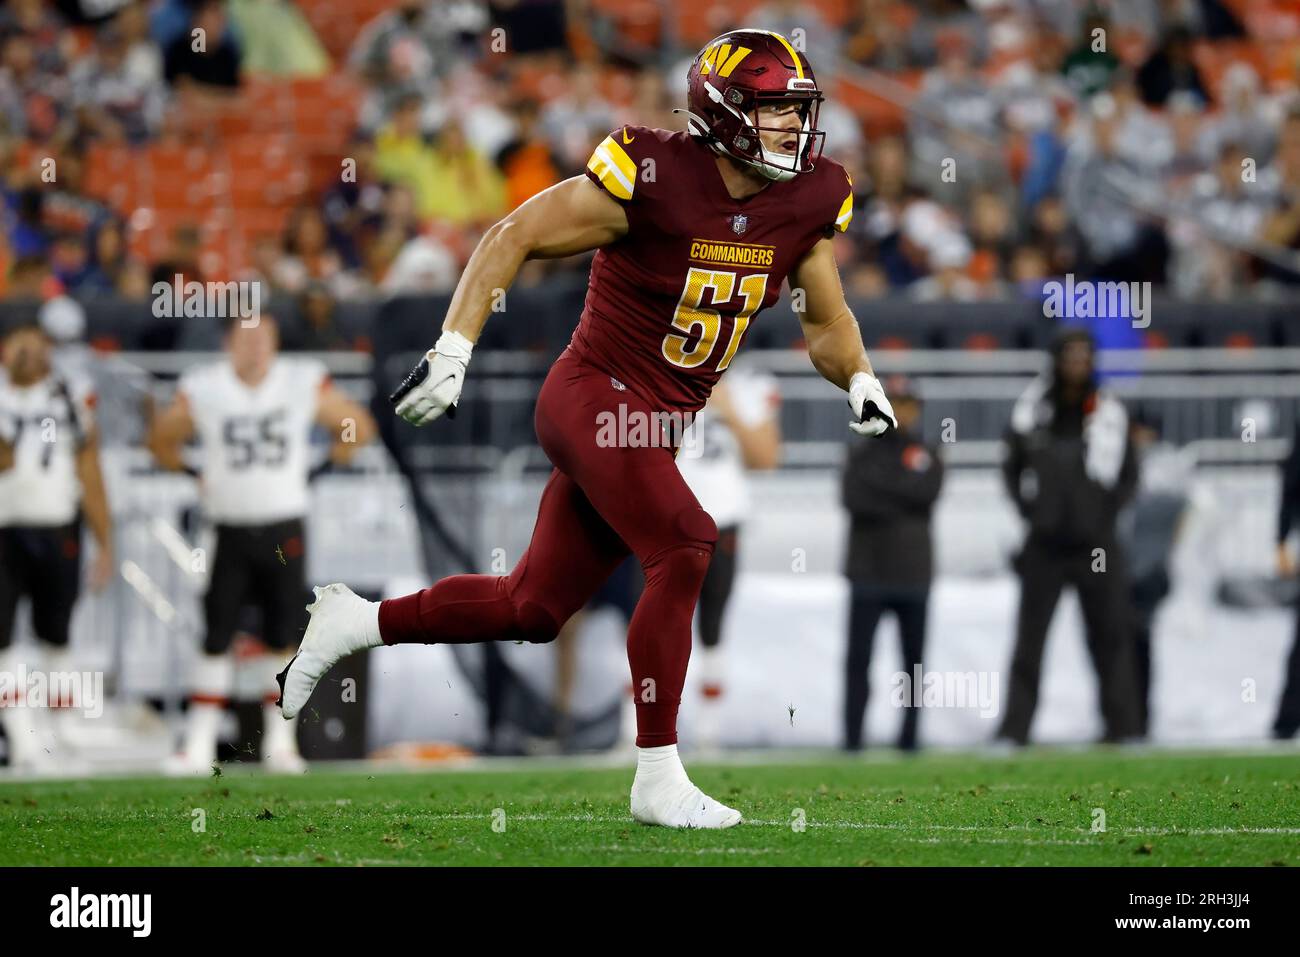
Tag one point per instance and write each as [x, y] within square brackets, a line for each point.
[670, 303]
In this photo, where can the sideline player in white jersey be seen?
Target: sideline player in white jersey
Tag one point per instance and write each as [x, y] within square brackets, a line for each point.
[252, 413]
[49, 479]
[737, 431]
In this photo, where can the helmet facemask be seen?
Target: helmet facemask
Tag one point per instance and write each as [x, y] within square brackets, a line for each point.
[779, 166]
[747, 147]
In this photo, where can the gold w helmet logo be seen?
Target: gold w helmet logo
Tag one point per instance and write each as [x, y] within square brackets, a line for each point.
[720, 58]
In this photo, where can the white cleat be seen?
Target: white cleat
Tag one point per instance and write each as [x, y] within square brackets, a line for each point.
[341, 623]
[284, 762]
[183, 765]
[680, 804]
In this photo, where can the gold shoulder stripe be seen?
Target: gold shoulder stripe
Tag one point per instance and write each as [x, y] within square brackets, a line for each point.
[614, 168]
[845, 215]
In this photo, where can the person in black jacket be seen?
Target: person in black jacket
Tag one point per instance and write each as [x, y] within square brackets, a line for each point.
[889, 487]
[1149, 529]
[1070, 466]
[1288, 713]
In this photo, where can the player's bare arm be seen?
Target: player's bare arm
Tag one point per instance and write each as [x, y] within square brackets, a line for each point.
[345, 419]
[760, 444]
[169, 432]
[571, 217]
[575, 216]
[94, 505]
[835, 341]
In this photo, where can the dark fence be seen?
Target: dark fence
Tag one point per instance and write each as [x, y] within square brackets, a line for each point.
[540, 318]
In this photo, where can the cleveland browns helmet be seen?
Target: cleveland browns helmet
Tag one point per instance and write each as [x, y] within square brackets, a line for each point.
[739, 72]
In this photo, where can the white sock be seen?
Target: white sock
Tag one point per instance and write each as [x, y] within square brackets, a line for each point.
[201, 731]
[709, 663]
[60, 712]
[57, 660]
[213, 677]
[661, 764]
[268, 666]
[18, 717]
[278, 735]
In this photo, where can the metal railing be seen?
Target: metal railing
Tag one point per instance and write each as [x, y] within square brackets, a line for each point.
[145, 627]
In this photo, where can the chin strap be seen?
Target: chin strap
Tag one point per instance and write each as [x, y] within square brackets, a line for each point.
[699, 128]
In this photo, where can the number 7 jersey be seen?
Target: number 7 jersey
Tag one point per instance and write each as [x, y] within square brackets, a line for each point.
[669, 304]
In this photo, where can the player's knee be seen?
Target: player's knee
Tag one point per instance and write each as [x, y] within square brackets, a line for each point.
[695, 526]
[535, 624]
[684, 560]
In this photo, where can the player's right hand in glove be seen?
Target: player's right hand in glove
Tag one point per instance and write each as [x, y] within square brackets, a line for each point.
[433, 387]
[867, 400]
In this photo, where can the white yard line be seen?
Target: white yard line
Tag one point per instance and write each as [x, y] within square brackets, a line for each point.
[876, 826]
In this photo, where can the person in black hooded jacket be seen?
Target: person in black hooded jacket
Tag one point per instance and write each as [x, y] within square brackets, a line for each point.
[889, 487]
[1070, 467]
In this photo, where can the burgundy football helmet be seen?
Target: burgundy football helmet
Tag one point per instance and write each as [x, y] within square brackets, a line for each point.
[739, 72]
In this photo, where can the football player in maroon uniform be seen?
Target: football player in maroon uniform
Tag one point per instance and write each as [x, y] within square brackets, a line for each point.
[696, 232]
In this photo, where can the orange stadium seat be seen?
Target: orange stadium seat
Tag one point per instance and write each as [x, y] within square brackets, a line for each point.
[638, 21]
[324, 168]
[893, 343]
[338, 22]
[113, 174]
[183, 176]
[323, 111]
[1214, 58]
[253, 223]
[261, 106]
[880, 115]
[271, 140]
[981, 342]
[538, 79]
[698, 22]
[1268, 20]
[265, 170]
[150, 229]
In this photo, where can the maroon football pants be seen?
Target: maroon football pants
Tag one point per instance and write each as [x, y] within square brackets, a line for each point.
[601, 501]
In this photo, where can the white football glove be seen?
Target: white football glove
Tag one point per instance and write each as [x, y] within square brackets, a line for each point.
[433, 387]
[868, 402]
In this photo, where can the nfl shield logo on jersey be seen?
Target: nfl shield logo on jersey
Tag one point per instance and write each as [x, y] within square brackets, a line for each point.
[739, 223]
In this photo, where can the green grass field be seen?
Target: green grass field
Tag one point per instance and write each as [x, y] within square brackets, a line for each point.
[1035, 808]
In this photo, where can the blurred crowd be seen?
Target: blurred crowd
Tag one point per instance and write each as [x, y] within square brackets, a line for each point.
[994, 144]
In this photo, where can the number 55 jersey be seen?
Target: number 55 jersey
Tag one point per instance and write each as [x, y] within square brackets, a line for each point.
[255, 440]
[669, 304]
